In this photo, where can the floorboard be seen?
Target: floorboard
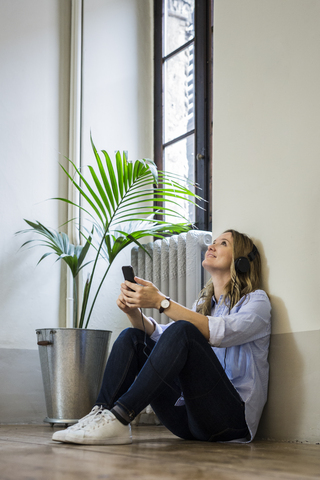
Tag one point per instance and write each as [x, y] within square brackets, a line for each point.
[27, 452]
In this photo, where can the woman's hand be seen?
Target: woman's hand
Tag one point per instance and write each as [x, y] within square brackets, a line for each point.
[132, 310]
[121, 302]
[142, 294]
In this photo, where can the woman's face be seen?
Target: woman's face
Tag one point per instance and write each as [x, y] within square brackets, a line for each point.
[218, 257]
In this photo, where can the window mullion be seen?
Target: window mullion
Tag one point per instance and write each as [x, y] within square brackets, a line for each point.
[202, 154]
[158, 85]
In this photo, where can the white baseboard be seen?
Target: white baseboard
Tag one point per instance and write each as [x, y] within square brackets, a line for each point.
[21, 394]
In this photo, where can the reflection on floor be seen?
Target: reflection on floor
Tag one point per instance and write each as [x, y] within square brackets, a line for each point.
[27, 452]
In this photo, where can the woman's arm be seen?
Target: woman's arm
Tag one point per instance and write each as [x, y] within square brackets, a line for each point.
[248, 321]
[146, 295]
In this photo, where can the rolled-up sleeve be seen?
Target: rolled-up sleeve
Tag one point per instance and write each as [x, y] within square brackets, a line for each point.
[248, 321]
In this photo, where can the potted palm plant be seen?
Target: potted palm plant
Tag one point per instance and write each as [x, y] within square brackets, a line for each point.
[121, 205]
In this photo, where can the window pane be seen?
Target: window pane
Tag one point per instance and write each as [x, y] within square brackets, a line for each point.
[179, 159]
[179, 94]
[178, 24]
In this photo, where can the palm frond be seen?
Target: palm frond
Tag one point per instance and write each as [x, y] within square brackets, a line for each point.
[123, 202]
[124, 197]
[59, 244]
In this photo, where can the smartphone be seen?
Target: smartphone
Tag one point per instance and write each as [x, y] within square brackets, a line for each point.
[128, 273]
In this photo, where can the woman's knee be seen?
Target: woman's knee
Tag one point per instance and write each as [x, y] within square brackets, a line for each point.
[129, 335]
[182, 326]
[180, 333]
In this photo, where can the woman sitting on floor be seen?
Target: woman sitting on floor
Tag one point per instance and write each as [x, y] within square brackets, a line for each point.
[205, 374]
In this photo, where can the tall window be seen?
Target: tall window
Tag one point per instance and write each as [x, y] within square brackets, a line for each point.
[183, 95]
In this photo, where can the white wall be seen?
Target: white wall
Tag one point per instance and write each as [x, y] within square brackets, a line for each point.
[117, 107]
[33, 130]
[266, 150]
[266, 182]
[34, 97]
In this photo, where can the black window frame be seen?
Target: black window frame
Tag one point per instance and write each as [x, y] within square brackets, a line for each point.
[203, 104]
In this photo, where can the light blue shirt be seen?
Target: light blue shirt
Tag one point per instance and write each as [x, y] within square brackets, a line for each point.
[240, 339]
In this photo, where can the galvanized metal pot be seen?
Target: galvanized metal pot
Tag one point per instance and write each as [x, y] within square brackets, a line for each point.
[72, 365]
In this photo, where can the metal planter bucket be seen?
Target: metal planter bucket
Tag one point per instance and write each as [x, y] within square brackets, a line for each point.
[72, 365]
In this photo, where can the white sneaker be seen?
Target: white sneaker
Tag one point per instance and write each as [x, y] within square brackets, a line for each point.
[103, 429]
[60, 435]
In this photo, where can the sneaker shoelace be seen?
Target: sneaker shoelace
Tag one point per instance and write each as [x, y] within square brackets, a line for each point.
[99, 420]
[87, 419]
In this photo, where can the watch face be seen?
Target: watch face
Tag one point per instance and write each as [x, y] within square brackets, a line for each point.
[165, 303]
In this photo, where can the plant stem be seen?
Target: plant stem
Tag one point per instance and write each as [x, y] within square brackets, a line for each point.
[95, 297]
[75, 303]
[85, 302]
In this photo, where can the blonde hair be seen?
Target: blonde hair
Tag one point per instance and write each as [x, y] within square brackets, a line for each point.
[240, 284]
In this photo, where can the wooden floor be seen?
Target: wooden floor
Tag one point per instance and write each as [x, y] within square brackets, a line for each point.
[27, 453]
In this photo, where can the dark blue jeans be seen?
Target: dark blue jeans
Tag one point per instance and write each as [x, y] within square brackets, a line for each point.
[181, 361]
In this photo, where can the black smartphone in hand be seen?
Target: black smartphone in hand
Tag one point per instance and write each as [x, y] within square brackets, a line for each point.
[128, 273]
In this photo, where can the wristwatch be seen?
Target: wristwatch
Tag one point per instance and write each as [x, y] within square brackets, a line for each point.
[165, 303]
